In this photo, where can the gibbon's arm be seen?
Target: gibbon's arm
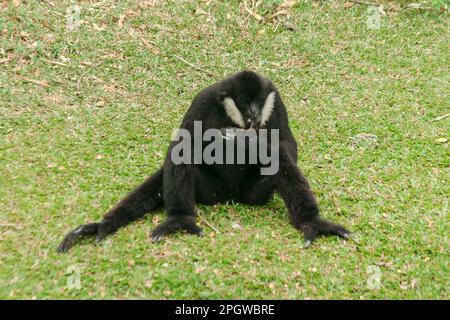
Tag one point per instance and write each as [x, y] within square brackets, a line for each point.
[299, 199]
[145, 198]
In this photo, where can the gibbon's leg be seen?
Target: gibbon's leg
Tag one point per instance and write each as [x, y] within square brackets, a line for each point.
[296, 193]
[179, 201]
[147, 197]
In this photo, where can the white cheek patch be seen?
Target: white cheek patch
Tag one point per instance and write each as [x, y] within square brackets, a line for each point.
[233, 112]
[268, 108]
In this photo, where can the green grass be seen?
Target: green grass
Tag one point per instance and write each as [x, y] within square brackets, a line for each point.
[79, 136]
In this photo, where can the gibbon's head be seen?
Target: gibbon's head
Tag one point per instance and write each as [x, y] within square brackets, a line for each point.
[249, 99]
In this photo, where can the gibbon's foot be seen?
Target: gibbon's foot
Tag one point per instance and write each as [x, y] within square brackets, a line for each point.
[173, 224]
[317, 226]
[100, 230]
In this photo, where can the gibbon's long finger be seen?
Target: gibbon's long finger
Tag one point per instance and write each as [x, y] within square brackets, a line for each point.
[158, 235]
[193, 229]
[173, 224]
[307, 244]
[329, 228]
[318, 226]
[310, 233]
[345, 234]
[156, 238]
[164, 228]
[69, 240]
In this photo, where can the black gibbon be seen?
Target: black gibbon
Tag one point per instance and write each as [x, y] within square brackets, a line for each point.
[244, 100]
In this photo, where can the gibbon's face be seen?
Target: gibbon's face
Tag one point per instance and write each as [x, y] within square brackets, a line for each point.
[250, 114]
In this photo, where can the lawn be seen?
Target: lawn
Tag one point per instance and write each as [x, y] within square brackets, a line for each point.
[87, 110]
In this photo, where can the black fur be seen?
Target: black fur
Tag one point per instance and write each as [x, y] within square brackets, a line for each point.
[178, 188]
